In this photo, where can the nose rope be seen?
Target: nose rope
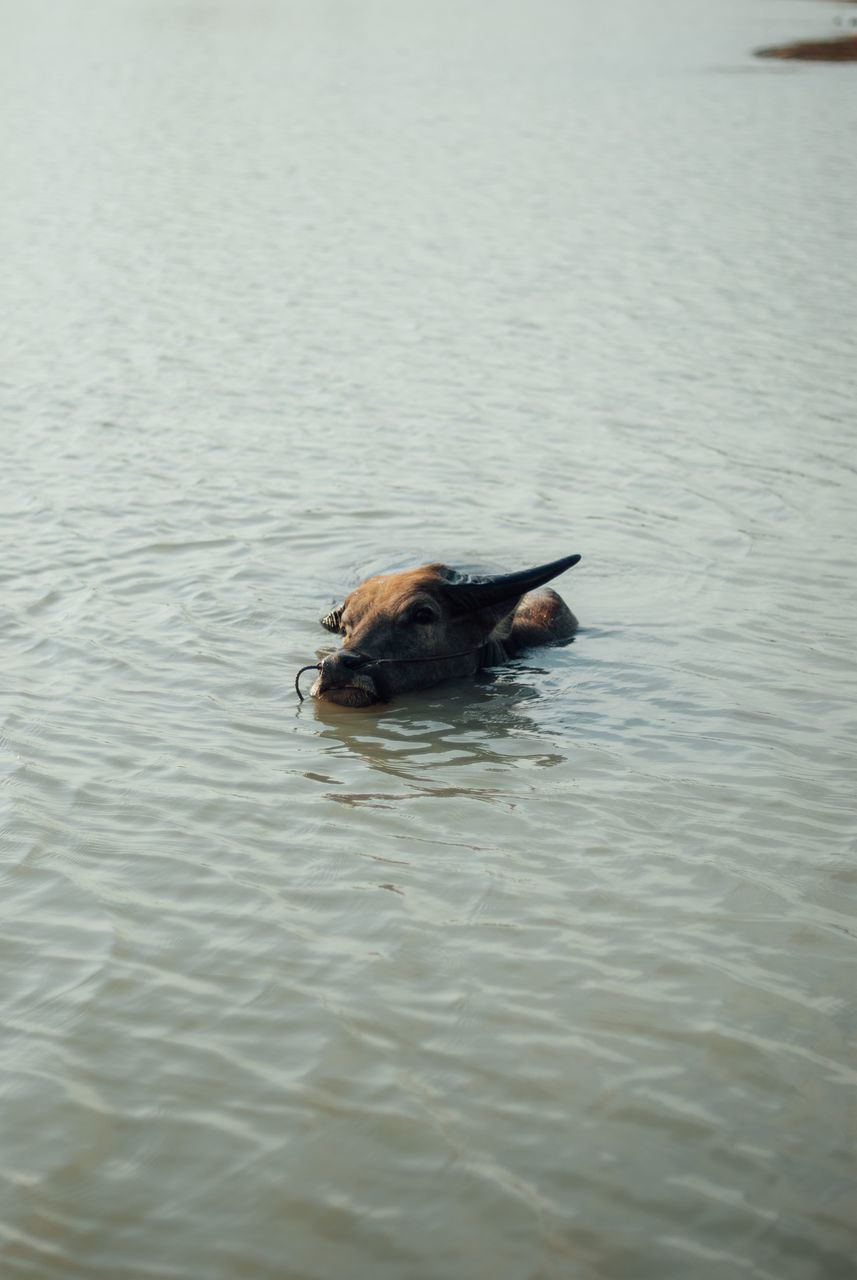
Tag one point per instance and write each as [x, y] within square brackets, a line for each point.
[373, 662]
[313, 667]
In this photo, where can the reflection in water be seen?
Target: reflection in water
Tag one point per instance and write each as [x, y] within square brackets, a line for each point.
[422, 736]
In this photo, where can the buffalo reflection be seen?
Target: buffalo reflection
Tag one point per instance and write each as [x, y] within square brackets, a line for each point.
[424, 735]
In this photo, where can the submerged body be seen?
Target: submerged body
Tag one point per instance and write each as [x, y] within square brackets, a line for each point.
[412, 630]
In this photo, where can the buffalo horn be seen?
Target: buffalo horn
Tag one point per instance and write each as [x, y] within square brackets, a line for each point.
[484, 591]
[333, 619]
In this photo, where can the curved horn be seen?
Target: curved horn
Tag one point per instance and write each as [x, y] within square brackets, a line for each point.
[483, 591]
[332, 620]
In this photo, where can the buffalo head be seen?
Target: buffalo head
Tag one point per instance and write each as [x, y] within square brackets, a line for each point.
[412, 630]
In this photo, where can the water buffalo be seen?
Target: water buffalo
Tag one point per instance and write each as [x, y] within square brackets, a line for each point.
[412, 630]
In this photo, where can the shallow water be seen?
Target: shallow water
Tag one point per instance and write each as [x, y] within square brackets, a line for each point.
[548, 975]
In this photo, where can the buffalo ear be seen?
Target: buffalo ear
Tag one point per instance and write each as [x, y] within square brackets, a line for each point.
[333, 619]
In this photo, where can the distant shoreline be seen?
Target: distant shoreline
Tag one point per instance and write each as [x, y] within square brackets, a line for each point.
[831, 49]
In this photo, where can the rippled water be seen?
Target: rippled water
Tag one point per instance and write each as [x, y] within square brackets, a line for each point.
[542, 977]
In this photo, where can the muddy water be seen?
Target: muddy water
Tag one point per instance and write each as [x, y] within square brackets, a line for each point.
[545, 976]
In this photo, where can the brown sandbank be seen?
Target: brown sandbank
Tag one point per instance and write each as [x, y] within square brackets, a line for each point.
[834, 49]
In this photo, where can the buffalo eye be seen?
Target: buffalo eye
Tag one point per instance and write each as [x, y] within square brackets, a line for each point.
[423, 615]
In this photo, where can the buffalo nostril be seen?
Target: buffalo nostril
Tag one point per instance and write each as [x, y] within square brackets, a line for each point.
[351, 661]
